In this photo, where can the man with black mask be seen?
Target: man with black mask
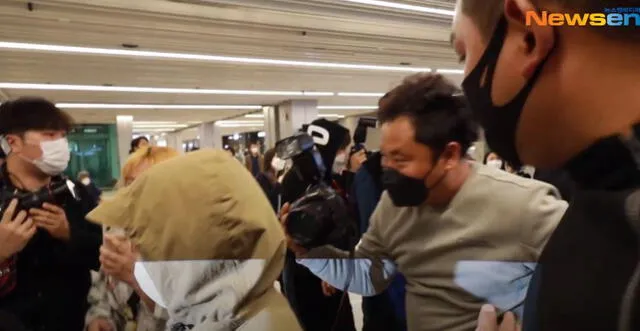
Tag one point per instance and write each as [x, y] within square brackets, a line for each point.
[553, 95]
[447, 224]
[46, 253]
[316, 309]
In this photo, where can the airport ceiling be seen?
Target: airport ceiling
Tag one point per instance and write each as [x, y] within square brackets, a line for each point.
[212, 53]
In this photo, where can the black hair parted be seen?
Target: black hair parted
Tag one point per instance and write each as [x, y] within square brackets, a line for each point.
[437, 108]
[32, 114]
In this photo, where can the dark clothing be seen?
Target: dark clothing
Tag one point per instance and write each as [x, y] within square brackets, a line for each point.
[303, 289]
[255, 166]
[94, 192]
[385, 311]
[558, 178]
[271, 189]
[53, 277]
[585, 267]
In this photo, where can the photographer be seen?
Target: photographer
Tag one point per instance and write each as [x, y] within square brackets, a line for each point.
[461, 233]
[46, 252]
[316, 304]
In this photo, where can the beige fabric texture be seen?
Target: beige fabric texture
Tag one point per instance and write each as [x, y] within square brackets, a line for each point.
[205, 206]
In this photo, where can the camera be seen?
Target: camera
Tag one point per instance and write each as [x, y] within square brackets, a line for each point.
[55, 193]
[320, 217]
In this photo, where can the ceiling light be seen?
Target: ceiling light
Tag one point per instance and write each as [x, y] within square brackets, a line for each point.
[387, 4]
[141, 106]
[347, 107]
[159, 126]
[451, 71]
[100, 88]
[254, 116]
[346, 94]
[330, 115]
[200, 57]
[318, 94]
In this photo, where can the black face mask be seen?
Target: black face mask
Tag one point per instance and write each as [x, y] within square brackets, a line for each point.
[499, 122]
[406, 191]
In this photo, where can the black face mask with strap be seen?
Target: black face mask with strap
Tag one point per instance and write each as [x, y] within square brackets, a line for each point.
[499, 122]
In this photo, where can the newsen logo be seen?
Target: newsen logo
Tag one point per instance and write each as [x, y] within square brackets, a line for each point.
[610, 17]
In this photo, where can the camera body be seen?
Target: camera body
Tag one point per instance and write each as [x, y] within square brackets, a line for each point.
[320, 217]
[55, 193]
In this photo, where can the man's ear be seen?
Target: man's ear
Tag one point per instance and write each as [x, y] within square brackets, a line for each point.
[537, 41]
[452, 154]
[14, 142]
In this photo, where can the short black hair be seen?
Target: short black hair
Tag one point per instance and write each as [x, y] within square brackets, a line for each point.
[32, 113]
[436, 107]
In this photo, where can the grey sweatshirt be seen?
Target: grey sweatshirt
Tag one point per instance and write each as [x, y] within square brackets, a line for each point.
[481, 248]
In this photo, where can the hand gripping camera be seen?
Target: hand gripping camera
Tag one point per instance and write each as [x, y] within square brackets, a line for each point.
[55, 193]
[320, 216]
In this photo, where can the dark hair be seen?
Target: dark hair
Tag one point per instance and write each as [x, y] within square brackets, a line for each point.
[32, 113]
[268, 157]
[136, 142]
[486, 156]
[439, 112]
[486, 13]
[345, 142]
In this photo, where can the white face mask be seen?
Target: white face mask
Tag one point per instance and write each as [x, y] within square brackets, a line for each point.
[254, 150]
[495, 164]
[340, 163]
[278, 164]
[55, 156]
[147, 285]
[86, 181]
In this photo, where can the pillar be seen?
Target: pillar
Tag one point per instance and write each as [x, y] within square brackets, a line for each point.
[124, 127]
[293, 114]
[172, 141]
[206, 132]
[271, 128]
[350, 122]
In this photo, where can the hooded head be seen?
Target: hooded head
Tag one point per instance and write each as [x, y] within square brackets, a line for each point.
[331, 139]
[214, 263]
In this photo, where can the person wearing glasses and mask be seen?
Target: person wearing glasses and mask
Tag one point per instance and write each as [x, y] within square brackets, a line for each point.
[46, 253]
[462, 234]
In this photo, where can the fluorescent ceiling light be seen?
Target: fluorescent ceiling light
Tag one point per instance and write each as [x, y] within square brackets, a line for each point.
[330, 115]
[100, 88]
[159, 126]
[254, 116]
[200, 57]
[141, 106]
[348, 94]
[318, 94]
[451, 71]
[388, 4]
[347, 107]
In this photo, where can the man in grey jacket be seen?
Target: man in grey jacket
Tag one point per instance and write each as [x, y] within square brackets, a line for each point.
[462, 234]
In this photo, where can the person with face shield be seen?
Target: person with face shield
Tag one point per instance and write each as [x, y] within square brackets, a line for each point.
[117, 301]
[46, 253]
[210, 257]
[462, 234]
[566, 97]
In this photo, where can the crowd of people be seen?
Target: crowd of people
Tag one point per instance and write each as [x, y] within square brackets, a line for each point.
[440, 241]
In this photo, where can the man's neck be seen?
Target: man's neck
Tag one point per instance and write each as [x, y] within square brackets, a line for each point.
[450, 185]
[22, 177]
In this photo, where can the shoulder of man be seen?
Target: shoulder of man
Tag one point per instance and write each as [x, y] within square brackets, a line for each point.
[510, 186]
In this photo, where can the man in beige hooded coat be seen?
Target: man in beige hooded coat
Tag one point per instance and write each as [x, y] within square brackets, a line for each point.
[210, 245]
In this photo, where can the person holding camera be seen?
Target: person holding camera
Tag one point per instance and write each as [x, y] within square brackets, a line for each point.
[48, 250]
[462, 234]
[317, 304]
